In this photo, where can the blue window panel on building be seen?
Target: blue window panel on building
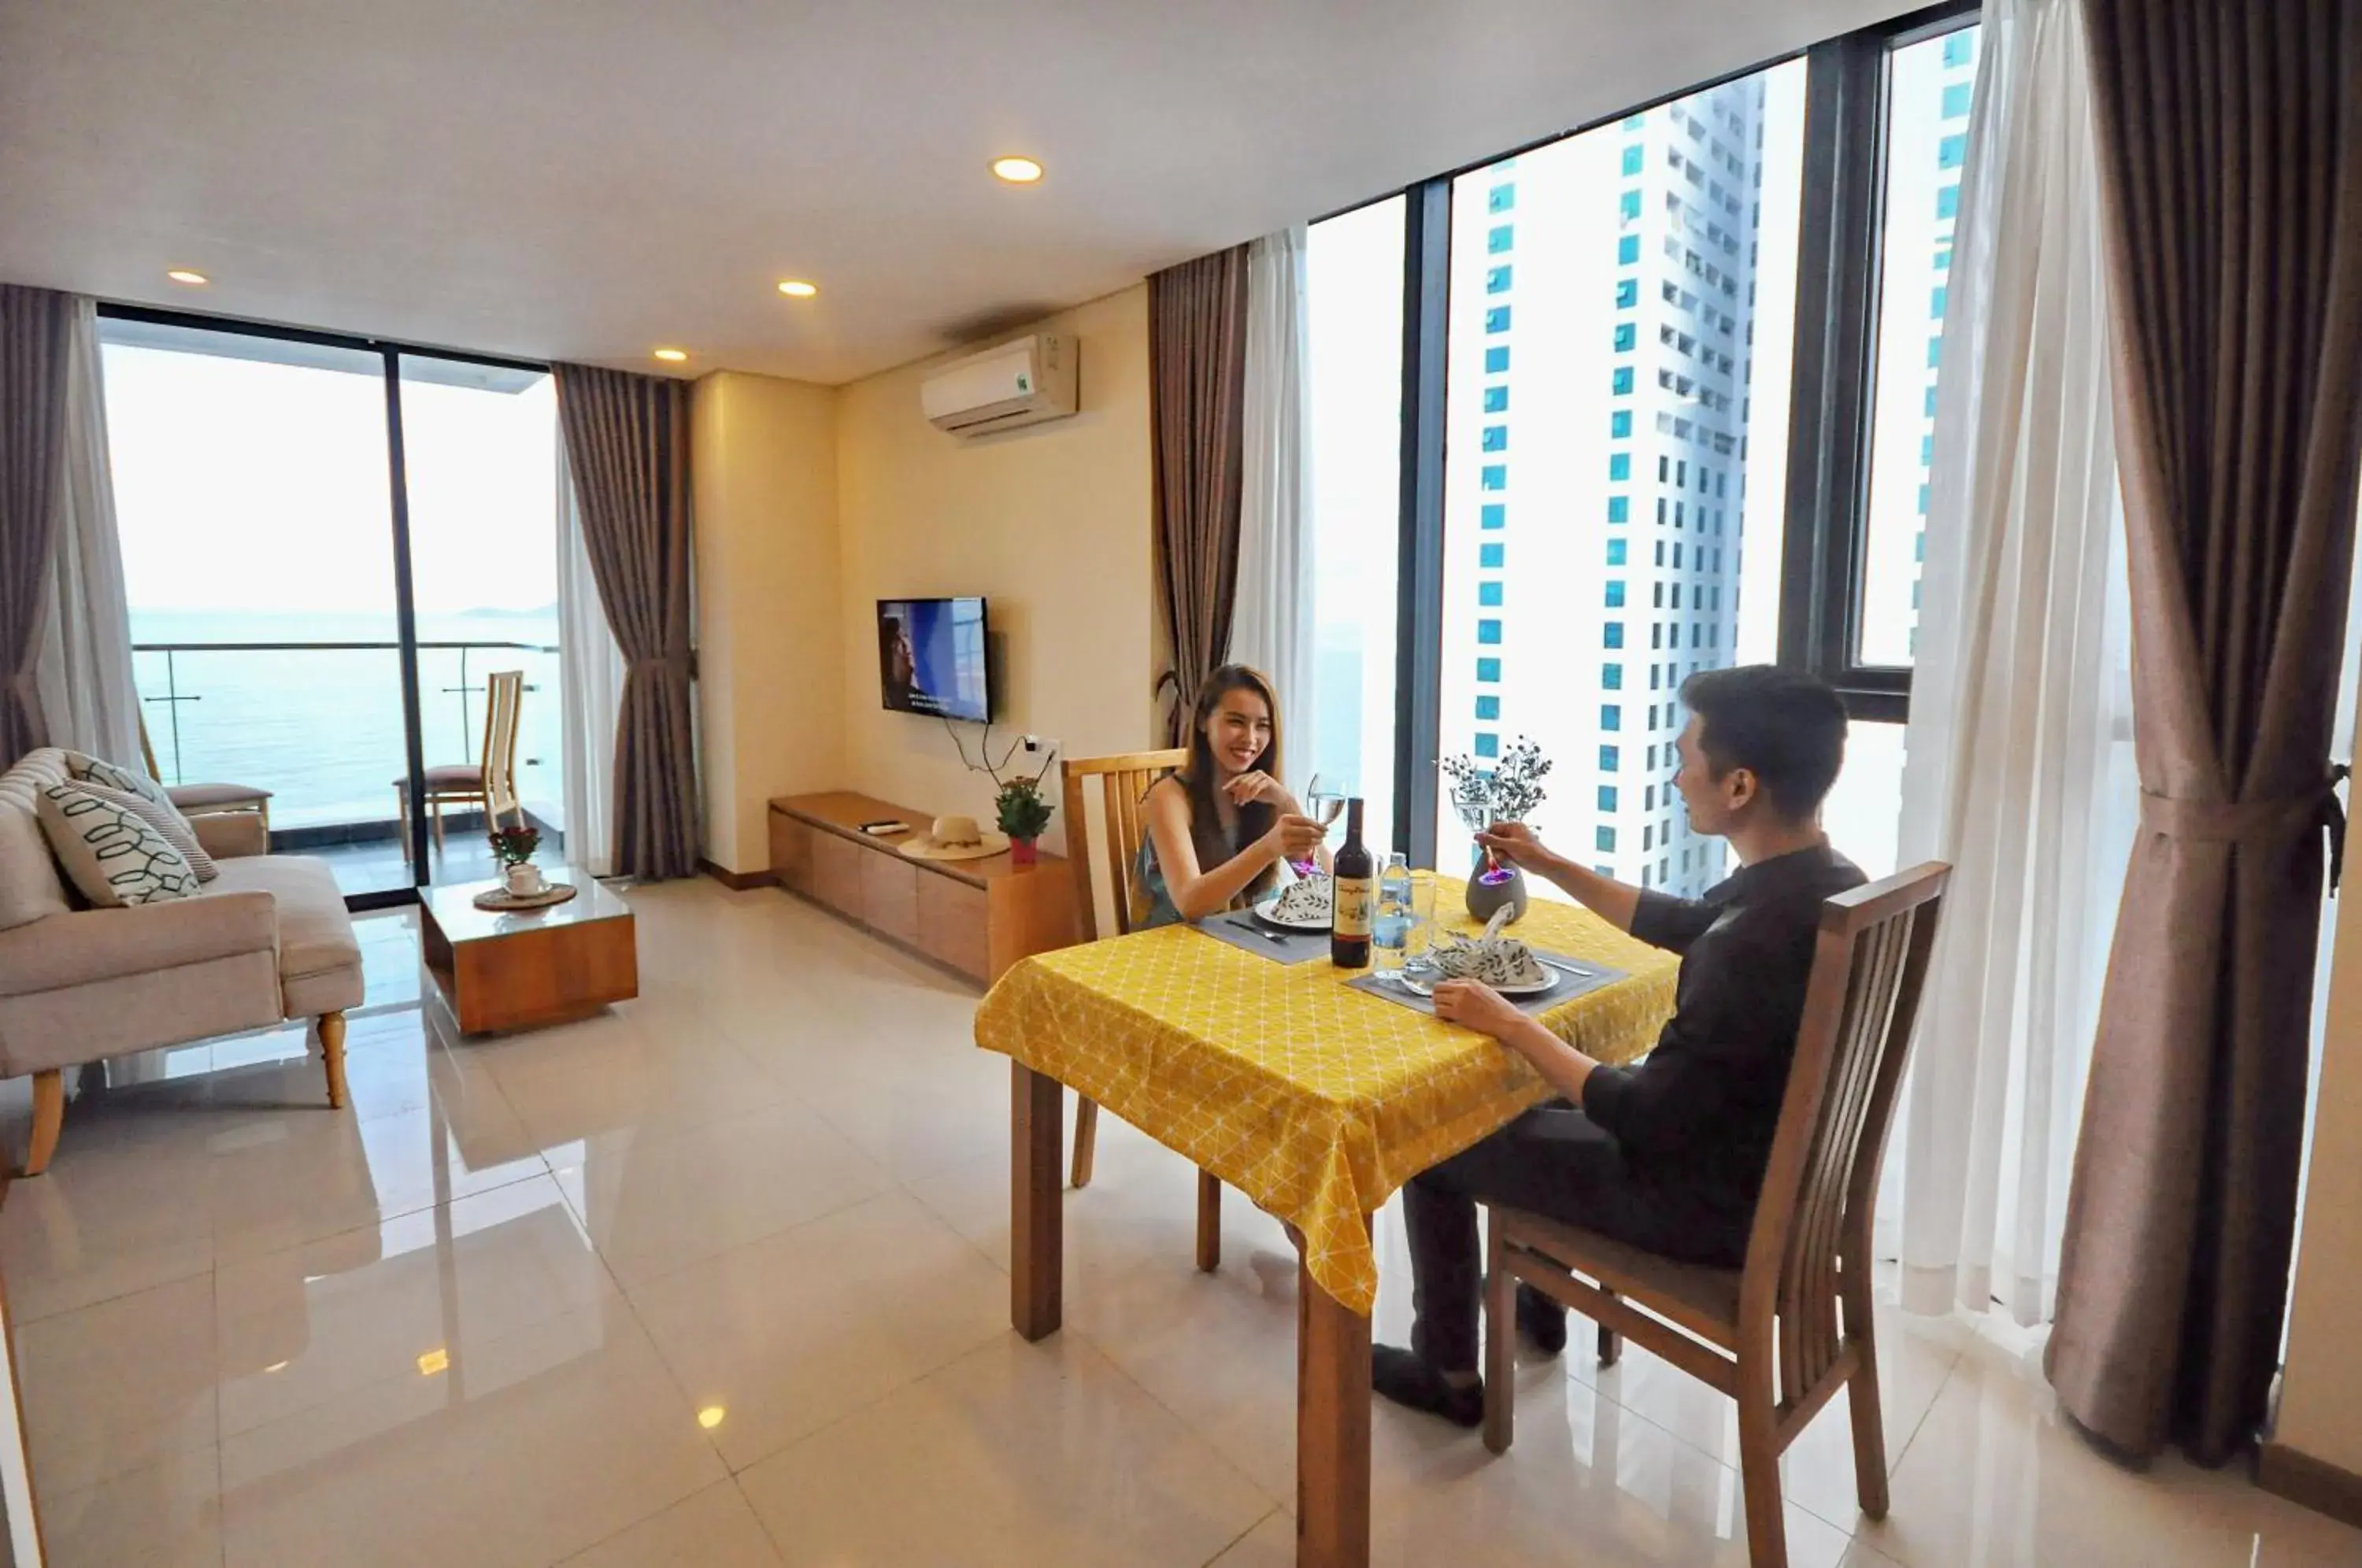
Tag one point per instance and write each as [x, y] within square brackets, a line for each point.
[1616, 551]
[1619, 465]
[1488, 633]
[1501, 199]
[1948, 202]
[1493, 476]
[1628, 293]
[1488, 709]
[1926, 450]
[1497, 319]
[1496, 359]
[1622, 383]
[1497, 400]
[1608, 758]
[1634, 122]
[1630, 204]
[1961, 47]
[1611, 717]
[1931, 402]
[1611, 676]
[1619, 509]
[1611, 635]
[1497, 280]
[1489, 556]
[1616, 593]
[1503, 236]
[1919, 546]
[1626, 335]
[1488, 670]
[1936, 302]
[1957, 98]
[1628, 250]
[1496, 438]
[1488, 594]
[1605, 838]
[1619, 425]
[1935, 352]
[1952, 152]
[1492, 514]
[1632, 157]
[1923, 501]
[1607, 797]
[1487, 743]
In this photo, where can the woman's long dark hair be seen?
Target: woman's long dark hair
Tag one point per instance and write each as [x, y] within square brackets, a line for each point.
[1197, 778]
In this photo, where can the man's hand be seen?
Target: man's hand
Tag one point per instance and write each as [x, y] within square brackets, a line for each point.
[1518, 845]
[1474, 1005]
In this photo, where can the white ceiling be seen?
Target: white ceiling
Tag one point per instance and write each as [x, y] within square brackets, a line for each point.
[585, 179]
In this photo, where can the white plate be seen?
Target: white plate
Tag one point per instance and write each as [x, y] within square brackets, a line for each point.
[1543, 986]
[1262, 912]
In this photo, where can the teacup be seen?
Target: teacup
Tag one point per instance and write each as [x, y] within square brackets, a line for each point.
[524, 881]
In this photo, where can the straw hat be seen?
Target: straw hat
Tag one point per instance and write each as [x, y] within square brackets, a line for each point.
[955, 838]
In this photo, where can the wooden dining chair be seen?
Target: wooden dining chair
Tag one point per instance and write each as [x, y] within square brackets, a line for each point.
[1782, 1334]
[463, 783]
[207, 799]
[1123, 780]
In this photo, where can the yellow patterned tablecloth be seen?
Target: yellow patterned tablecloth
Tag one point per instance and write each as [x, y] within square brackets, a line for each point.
[1315, 1100]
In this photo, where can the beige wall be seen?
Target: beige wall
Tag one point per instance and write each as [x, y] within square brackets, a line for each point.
[770, 666]
[1051, 523]
[2321, 1389]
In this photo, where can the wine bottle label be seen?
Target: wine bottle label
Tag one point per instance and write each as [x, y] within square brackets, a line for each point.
[1350, 915]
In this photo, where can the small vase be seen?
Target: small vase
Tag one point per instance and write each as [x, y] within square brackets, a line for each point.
[1484, 897]
[1021, 852]
[522, 879]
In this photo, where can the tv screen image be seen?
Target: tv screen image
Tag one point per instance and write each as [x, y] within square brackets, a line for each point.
[930, 657]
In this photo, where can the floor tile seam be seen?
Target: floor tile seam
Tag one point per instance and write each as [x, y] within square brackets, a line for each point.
[20, 1321]
[1234, 1540]
[685, 1265]
[385, 1217]
[1212, 1445]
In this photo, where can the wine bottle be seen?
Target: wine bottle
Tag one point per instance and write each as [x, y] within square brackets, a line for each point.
[1349, 904]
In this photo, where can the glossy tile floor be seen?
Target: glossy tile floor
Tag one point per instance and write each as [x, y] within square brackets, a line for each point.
[718, 1280]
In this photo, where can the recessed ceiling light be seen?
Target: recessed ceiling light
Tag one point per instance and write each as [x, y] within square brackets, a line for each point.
[1017, 170]
[712, 1416]
[183, 275]
[672, 355]
[797, 289]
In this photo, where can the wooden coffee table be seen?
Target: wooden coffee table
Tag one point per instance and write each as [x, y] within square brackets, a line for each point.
[525, 968]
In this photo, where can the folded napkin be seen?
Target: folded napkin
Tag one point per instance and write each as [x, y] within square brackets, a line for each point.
[1495, 959]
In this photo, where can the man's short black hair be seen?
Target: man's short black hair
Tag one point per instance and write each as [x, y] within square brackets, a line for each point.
[1786, 727]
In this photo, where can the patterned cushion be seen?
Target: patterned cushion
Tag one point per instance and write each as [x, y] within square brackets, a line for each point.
[98, 770]
[109, 852]
[178, 830]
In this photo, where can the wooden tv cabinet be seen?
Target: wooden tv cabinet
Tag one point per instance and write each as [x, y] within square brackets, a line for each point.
[974, 916]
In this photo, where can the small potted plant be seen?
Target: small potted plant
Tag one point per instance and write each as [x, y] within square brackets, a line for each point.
[1022, 814]
[1505, 792]
[514, 847]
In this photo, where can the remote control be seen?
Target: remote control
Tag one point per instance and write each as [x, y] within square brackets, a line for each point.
[885, 829]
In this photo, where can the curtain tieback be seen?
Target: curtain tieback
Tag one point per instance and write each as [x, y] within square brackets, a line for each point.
[2254, 822]
[684, 662]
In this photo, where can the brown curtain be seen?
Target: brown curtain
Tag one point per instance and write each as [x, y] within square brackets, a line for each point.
[36, 326]
[1197, 397]
[627, 442]
[2232, 201]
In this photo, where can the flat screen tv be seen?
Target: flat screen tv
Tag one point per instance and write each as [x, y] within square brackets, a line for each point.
[930, 657]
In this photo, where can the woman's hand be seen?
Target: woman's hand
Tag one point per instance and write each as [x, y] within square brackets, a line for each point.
[1474, 1005]
[1518, 845]
[1296, 838]
[1253, 785]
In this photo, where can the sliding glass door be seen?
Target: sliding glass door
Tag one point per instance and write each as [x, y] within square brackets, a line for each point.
[327, 547]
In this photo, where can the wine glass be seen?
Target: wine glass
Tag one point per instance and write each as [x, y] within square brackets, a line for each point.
[1472, 798]
[1324, 801]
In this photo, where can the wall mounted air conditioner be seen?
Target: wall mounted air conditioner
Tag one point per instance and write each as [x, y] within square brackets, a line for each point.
[1017, 383]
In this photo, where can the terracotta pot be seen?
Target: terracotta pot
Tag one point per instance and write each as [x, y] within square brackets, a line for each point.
[1021, 852]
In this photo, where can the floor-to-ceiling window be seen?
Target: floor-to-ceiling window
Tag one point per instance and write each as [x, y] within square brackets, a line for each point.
[263, 525]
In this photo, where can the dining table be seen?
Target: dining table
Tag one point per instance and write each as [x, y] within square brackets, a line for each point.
[1313, 1097]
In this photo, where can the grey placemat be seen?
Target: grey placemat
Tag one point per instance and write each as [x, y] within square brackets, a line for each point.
[1241, 929]
[1594, 976]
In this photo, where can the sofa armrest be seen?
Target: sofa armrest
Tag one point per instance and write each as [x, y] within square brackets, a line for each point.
[231, 835]
[87, 945]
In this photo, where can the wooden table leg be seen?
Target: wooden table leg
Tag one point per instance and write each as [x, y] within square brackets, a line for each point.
[1332, 1430]
[1036, 1217]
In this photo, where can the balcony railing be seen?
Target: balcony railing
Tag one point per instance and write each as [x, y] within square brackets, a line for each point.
[320, 723]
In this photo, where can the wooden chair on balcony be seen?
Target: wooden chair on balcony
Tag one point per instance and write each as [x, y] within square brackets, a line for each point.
[1123, 780]
[1784, 1333]
[462, 784]
[207, 799]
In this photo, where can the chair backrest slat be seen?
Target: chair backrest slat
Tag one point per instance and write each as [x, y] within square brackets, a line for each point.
[505, 693]
[1812, 1221]
[1123, 780]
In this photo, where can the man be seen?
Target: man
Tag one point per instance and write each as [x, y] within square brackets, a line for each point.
[1667, 1156]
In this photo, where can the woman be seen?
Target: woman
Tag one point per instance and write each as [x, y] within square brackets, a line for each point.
[1219, 829]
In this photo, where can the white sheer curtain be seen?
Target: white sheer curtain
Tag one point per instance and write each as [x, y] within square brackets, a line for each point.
[2019, 768]
[1272, 622]
[83, 669]
[590, 684]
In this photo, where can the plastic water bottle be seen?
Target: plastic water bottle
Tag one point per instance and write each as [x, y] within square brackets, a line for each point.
[1390, 929]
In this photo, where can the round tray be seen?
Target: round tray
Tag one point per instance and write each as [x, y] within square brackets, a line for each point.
[501, 898]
